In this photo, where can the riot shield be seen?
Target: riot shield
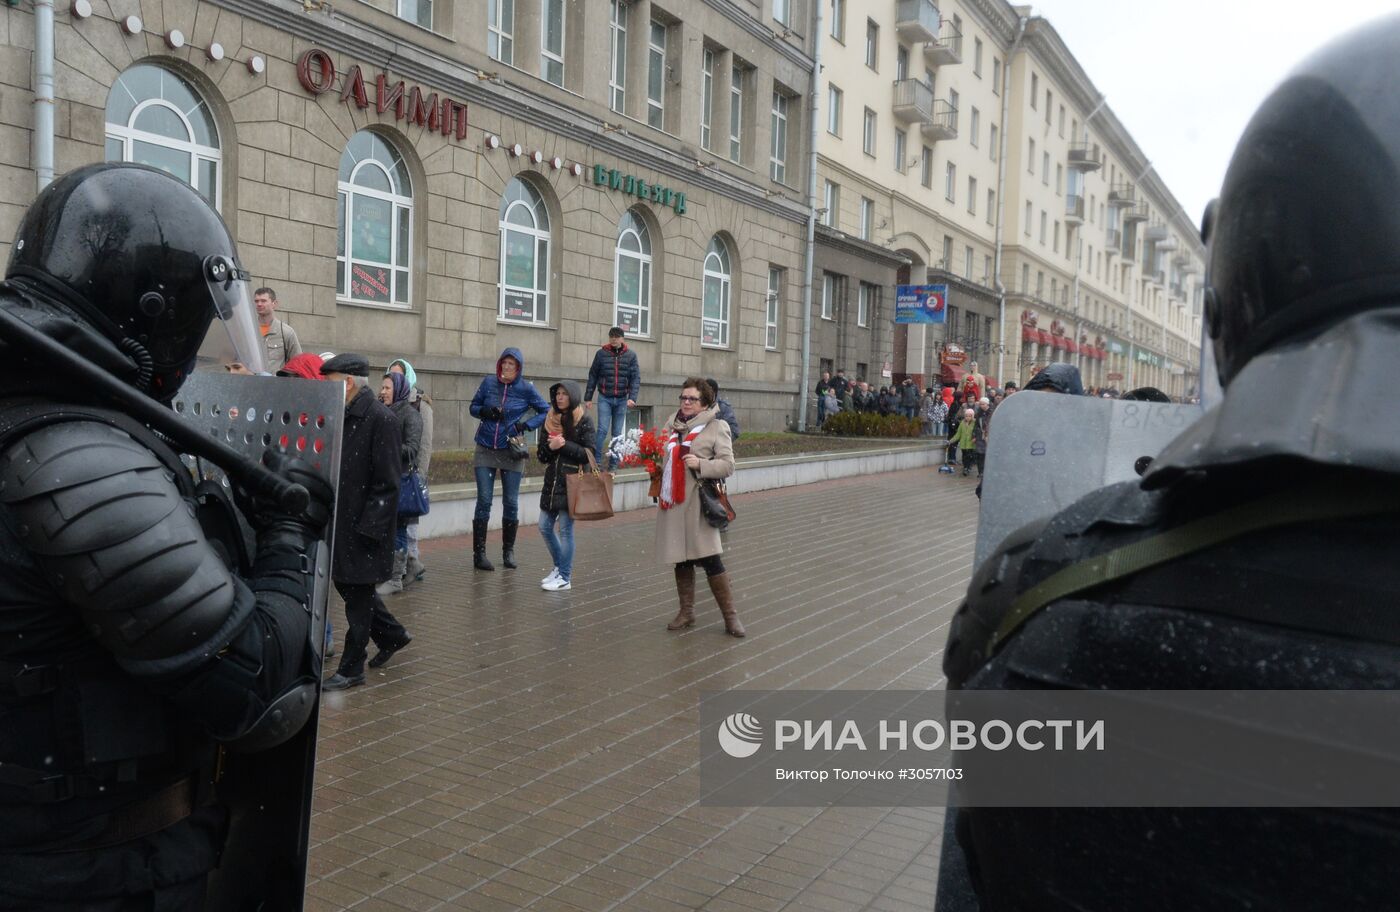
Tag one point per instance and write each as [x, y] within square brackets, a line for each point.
[268, 793]
[1047, 450]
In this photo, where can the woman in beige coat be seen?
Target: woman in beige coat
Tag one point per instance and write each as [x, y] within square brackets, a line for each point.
[701, 443]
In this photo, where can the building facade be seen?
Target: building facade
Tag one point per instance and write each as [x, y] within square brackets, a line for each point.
[964, 138]
[441, 179]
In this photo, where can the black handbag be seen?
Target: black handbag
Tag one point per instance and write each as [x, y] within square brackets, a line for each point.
[517, 447]
[714, 502]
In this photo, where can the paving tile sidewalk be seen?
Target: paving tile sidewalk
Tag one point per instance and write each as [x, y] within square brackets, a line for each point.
[537, 750]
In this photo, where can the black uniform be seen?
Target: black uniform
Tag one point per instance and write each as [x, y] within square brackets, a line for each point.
[129, 649]
[1304, 313]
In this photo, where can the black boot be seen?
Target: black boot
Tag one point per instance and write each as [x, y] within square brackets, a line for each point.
[508, 530]
[479, 560]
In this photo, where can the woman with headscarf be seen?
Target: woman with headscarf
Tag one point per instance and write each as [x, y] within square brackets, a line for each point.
[699, 447]
[393, 392]
[564, 449]
[500, 404]
[421, 401]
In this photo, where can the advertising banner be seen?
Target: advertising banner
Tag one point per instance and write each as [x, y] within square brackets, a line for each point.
[921, 304]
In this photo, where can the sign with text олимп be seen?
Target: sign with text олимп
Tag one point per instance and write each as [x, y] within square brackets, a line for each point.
[921, 304]
[317, 74]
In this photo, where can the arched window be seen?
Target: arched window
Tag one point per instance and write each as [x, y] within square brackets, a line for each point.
[524, 254]
[156, 118]
[374, 223]
[632, 276]
[714, 318]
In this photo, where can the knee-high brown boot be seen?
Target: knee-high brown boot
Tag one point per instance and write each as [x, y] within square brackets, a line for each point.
[719, 585]
[685, 590]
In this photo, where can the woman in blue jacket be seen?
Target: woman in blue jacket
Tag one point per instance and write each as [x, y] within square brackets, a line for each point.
[501, 404]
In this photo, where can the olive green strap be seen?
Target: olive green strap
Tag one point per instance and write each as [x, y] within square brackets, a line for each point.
[1282, 509]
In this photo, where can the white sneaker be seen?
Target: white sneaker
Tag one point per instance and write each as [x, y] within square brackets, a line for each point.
[557, 585]
[553, 575]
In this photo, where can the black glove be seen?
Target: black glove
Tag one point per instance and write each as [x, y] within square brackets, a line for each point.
[493, 413]
[519, 427]
[263, 512]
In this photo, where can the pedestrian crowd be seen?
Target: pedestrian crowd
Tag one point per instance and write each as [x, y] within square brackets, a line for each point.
[386, 450]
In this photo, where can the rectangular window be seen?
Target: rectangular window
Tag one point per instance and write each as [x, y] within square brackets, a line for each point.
[833, 110]
[656, 76]
[1044, 225]
[1035, 89]
[617, 54]
[986, 269]
[872, 44]
[972, 196]
[994, 143]
[974, 127]
[707, 95]
[991, 206]
[1045, 168]
[828, 296]
[770, 316]
[953, 103]
[1025, 276]
[838, 20]
[950, 183]
[500, 30]
[867, 218]
[901, 63]
[1028, 218]
[736, 114]
[778, 159]
[926, 168]
[782, 12]
[1056, 246]
[1062, 122]
[868, 136]
[947, 261]
[996, 75]
[1030, 159]
[901, 150]
[977, 57]
[552, 41]
[868, 294]
[952, 323]
[1049, 99]
[1059, 178]
[968, 257]
[831, 198]
[419, 12]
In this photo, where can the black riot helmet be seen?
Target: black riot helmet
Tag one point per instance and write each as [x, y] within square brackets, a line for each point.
[1307, 228]
[142, 258]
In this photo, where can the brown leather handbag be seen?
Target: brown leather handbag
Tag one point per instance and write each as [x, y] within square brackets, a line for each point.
[590, 492]
[714, 502]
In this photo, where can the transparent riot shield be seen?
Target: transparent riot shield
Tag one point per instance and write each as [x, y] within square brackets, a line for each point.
[268, 793]
[1047, 450]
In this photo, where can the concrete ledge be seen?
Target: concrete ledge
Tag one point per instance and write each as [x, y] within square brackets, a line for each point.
[454, 505]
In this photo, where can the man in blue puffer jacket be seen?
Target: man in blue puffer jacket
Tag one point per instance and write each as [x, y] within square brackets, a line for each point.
[501, 404]
[617, 379]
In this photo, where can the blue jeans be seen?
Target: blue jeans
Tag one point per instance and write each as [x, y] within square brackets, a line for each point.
[401, 535]
[510, 493]
[560, 545]
[612, 421]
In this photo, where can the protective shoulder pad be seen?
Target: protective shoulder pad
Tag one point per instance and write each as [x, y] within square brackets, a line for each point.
[104, 517]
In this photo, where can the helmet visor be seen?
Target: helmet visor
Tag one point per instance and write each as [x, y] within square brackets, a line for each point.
[233, 337]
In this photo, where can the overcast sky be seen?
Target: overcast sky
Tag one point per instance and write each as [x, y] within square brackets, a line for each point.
[1184, 77]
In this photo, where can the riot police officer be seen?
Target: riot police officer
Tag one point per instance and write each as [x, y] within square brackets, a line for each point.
[130, 653]
[1295, 480]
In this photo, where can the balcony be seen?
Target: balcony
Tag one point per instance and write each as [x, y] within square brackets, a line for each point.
[916, 20]
[1184, 263]
[1158, 278]
[946, 48]
[913, 100]
[1083, 157]
[1074, 210]
[1136, 213]
[1120, 196]
[1156, 233]
[1168, 243]
[943, 124]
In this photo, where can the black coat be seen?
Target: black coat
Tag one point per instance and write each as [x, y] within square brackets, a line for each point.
[367, 502]
[554, 495]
